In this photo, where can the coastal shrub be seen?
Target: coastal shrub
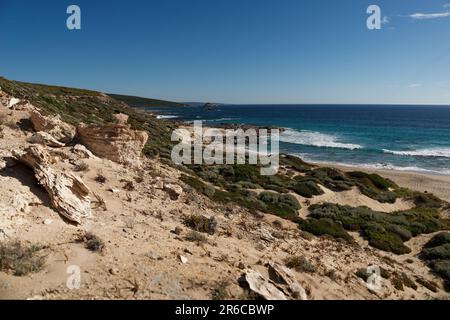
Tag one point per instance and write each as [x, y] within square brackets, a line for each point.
[295, 163]
[383, 231]
[199, 185]
[331, 178]
[426, 200]
[374, 186]
[306, 189]
[372, 180]
[20, 259]
[436, 253]
[201, 223]
[284, 205]
[325, 226]
[439, 239]
[384, 240]
[442, 268]
[440, 252]
[300, 264]
[289, 200]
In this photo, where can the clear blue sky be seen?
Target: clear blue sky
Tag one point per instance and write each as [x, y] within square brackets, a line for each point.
[234, 51]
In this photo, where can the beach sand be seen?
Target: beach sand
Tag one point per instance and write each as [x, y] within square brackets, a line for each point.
[436, 184]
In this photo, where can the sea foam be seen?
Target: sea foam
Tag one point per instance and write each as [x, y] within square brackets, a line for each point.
[316, 139]
[432, 152]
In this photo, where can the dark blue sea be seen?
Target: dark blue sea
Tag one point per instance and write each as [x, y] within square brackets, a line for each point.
[409, 138]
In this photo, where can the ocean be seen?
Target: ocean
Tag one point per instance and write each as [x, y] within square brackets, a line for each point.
[407, 138]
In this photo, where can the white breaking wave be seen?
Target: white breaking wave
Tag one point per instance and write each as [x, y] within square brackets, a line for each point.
[433, 152]
[316, 139]
[375, 166]
[166, 117]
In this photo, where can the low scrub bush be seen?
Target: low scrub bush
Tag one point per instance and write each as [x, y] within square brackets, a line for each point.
[93, 243]
[439, 239]
[306, 189]
[300, 264]
[20, 259]
[325, 226]
[383, 231]
[201, 223]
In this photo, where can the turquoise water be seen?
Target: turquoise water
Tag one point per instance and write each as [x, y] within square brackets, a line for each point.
[409, 138]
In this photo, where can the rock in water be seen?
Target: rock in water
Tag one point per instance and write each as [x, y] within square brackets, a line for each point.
[116, 142]
[68, 194]
[263, 287]
[58, 129]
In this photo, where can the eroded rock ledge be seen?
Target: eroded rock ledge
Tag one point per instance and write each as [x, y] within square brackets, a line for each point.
[116, 142]
[68, 194]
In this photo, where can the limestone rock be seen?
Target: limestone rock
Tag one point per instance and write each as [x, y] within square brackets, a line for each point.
[262, 286]
[45, 139]
[282, 275]
[83, 152]
[68, 194]
[121, 119]
[58, 129]
[116, 142]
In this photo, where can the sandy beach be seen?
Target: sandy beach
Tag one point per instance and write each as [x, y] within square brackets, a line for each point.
[439, 185]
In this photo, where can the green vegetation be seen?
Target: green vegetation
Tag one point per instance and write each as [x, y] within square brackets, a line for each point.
[78, 105]
[383, 231]
[283, 205]
[295, 163]
[201, 223]
[324, 226]
[307, 189]
[139, 102]
[438, 240]
[436, 253]
[20, 258]
[374, 186]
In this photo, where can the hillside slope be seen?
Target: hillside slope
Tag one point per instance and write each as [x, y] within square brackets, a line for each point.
[78, 105]
[140, 102]
[153, 230]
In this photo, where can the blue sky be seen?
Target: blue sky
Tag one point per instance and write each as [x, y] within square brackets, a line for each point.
[234, 51]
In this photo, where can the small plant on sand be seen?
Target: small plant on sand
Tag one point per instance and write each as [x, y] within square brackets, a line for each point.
[100, 178]
[201, 223]
[20, 258]
[219, 291]
[93, 243]
[81, 167]
[194, 236]
[300, 264]
[437, 255]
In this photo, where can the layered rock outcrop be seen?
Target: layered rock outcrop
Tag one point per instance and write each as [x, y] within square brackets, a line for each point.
[116, 142]
[68, 194]
[54, 126]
